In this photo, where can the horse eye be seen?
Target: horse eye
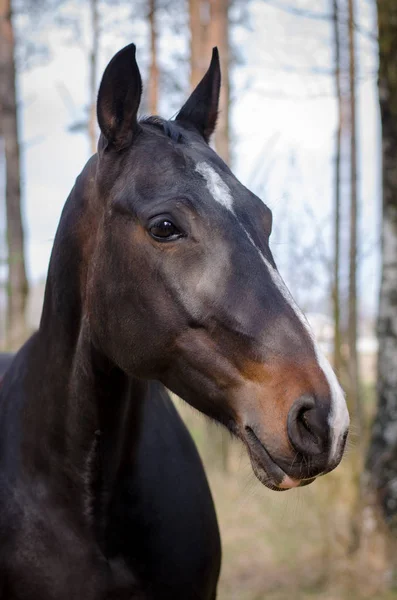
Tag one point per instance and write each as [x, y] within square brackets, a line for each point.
[164, 230]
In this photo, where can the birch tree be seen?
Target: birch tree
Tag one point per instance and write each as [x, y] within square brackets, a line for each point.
[382, 455]
[379, 515]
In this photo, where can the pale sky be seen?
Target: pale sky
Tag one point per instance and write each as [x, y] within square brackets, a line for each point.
[283, 123]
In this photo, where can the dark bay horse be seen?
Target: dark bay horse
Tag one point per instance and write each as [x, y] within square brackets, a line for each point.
[165, 510]
[5, 361]
[161, 271]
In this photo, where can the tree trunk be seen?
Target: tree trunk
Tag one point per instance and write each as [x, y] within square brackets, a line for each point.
[337, 209]
[380, 491]
[209, 26]
[219, 36]
[17, 281]
[153, 92]
[199, 16]
[93, 67]
[354, 395]
[382, 456]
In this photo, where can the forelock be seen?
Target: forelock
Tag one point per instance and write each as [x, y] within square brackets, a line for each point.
[171, 129]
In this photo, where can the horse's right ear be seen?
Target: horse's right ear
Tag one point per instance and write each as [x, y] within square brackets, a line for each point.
[118, 99]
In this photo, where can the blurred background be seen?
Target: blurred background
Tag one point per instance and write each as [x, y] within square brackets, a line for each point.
[308, 110]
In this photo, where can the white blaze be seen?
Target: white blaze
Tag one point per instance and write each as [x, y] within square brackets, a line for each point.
[339, 416]
[216, 186]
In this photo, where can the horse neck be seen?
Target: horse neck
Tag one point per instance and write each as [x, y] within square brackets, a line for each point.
[103, 423]
[80, 413]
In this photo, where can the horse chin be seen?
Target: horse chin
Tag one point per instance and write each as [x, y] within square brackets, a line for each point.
[272, 483]
[266, 469]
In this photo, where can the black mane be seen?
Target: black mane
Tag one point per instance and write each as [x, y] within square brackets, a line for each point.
[170, 128]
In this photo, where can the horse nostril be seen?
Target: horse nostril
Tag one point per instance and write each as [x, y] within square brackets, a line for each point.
[304, 418]
[308, 428]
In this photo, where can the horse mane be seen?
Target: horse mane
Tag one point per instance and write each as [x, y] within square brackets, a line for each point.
[170, 128]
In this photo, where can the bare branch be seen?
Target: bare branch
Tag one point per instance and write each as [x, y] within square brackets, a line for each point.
[309, 14]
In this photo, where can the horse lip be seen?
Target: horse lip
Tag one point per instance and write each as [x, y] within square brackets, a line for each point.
[276, 478]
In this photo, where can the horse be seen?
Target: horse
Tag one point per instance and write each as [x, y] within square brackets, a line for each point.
[165, 456]
[5, 361]
[161, 275]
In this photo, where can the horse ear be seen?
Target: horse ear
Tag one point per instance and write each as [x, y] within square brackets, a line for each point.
[118, 99]
[201, 109]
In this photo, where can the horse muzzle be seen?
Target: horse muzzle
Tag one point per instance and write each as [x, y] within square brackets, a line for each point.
[312, 448]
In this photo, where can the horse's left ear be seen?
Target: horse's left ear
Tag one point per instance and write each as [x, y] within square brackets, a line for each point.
[118, 99]
[201, 109]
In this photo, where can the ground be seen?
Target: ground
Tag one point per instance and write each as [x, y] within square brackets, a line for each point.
[274, 545]
[280, 546]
